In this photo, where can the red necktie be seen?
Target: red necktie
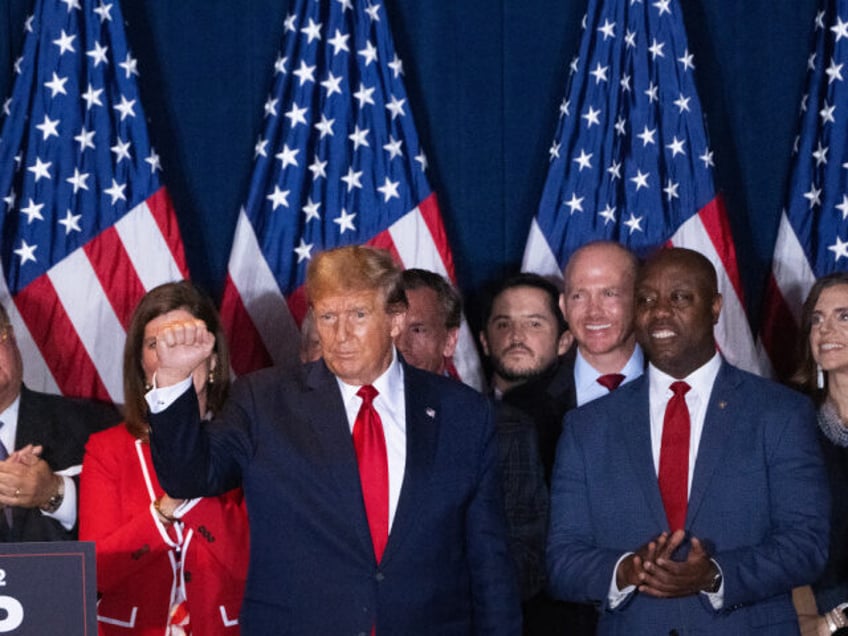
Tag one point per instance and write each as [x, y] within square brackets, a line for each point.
[674, 457]
[370, 445]
[611, 380]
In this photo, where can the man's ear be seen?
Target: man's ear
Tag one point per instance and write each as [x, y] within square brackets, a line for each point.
[450, 343]
[565, 341]
[484, 343]
[397, 321]
[716, 308]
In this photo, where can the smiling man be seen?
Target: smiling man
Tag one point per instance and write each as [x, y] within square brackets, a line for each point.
[372, 487]
[693, 499]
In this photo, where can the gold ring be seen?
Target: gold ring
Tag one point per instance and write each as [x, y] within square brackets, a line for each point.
[17, 492]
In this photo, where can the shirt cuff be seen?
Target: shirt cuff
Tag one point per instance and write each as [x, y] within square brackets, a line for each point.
[159, 399]
[616, 597]
[66, 513]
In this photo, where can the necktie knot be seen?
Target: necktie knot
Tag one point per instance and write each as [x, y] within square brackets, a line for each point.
[679, 388]
[611, 380]
[367, 393]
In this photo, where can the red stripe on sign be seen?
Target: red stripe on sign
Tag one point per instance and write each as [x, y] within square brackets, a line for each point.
[247, 352]
[57, 340]
[162, 209]
[116, 273]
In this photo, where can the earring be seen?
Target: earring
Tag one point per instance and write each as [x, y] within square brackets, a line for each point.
[147, 386]
[211, 378]
[819, 377]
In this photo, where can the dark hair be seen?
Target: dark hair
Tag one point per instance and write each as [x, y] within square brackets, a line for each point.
[804, 377]
[156, 302]
[449, 298]
[527, 279]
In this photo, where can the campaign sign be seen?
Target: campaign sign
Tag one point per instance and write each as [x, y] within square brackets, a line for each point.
[48, 588]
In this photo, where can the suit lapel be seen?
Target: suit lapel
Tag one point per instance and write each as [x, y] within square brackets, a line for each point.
[636, 429]
[326, 414]
[422, 428]
[717, 428]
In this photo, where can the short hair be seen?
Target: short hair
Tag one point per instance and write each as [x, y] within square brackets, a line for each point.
[447, 294]
[356, 268]
[702, 265]
[527, 279]
[4, 315]
[805, 375]
[631, 257]
[158, 301]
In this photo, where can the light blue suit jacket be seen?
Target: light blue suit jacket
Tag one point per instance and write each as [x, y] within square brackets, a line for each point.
[759, 500]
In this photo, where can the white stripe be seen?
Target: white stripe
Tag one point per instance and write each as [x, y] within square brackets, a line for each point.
[37, 375]
[416, 247]
[93, 318]
[538, 256]
[791, 269]
[262, 297]
[733, 333]
[147, 248]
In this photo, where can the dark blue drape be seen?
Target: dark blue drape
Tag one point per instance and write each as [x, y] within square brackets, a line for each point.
[484, 78]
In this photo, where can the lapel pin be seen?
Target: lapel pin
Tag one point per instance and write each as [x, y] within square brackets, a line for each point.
[722, 404]
[431, 413]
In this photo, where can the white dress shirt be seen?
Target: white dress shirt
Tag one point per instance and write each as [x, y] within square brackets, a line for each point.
[586, 376]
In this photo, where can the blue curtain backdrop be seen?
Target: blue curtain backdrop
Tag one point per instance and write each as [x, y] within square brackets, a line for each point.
[485, 78]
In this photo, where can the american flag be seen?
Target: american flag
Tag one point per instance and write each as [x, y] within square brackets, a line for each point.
[338, 162]
[812, 238]
[631, 161]
[87, 225]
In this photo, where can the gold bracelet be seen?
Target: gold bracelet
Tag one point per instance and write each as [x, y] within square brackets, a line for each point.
[157, 505]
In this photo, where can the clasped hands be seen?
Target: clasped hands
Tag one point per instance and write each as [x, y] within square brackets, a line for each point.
[653, 572]
[26, 480]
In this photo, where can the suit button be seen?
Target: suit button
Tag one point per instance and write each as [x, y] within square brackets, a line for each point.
[379, 576]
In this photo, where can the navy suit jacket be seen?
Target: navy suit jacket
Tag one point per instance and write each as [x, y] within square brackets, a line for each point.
[284, 435]
[759, 500]
[62, 426]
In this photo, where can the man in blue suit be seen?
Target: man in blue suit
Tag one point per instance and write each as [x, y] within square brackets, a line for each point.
[383, 519]
[692, 509]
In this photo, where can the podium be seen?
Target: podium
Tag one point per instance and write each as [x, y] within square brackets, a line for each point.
[48, 588]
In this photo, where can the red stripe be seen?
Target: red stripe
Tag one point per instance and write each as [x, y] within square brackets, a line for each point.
[247, 352]
[714, 217]
[384, 241]
[162, 209]
[298, 304]
[116, 273]
[433, 218]
[779, 332]
[57, 339]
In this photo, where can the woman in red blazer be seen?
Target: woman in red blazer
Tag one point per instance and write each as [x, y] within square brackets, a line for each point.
[164, 565]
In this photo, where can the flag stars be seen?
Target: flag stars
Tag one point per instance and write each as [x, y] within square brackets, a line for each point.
[608, 29]
[395, 107]
[332, 84]
[834, 71]
[676, 146]
[280, 65]
[624, 82]
[48, 128]
[389, 190]
[352, 179]
[640, 180]
[364, 95]
[620, 126]
[840, 249]
[104, 11]
[116, 192]
[820, 154]
[682, 103]
[261, 148]
[318, 169]
[656, 49]
[85, 139]
[840, 29]
[421, 158]
[826, 113]
[811, 62]
[634, 223]
[9, 200]
[564, 108]
[397, 66]
[688, 61]
[153, 161]
[369, 53]
[271, 107]
[32, 211]
[57, 85]
[304, 251]
[130, 66]
[662, 5]
[278, 198]
[345, 222]
[599, 73]
[325, 126]
[121, 150]
[820, 20]
[296, 115]
[393, 147]
[813, 195]
[72, 4]
[78, 181]
[630, 39]
[305, 73]
[647, 136]
[91, 97]
[288, 23]
[311, 210]
[574, 65]
[287, 156]
[553, 151]
[339, 42]
[584, 160]
[26, 252]
[575, 203]
[707, 158]
[126, 107]
[312, 31]
[591, 117]
[40, 169]
[65, 43]
[71, 222]
[671, 190]
[652, 92]
[615, 170]
[98, 54]
[373, 12]
[843, 207]
[358, 137]
[607, 214]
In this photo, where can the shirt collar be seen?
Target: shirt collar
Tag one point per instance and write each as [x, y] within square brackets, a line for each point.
[701, 379]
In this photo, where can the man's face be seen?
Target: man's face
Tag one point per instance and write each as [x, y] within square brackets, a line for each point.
[425, 341]
[521, 337]
[356, 334]
[676, 309]
[11, 367]
[598, 303]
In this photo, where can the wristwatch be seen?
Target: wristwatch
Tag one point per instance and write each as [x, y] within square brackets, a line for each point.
[715, 586]
[52, 504]
[837, 619]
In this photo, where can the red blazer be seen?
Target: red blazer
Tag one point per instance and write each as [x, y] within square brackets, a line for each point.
[136, 554]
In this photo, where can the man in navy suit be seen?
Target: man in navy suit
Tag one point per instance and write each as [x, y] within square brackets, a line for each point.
[719, 549]
[290, 438]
